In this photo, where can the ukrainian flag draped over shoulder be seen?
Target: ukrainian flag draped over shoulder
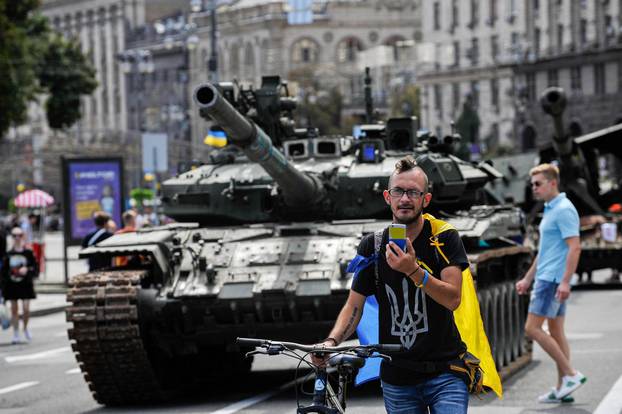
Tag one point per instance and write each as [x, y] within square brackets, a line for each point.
[467, 318]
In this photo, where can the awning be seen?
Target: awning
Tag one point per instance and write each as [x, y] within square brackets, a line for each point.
[33, 198]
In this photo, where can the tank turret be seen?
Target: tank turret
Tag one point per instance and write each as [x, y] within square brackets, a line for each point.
[299, 189]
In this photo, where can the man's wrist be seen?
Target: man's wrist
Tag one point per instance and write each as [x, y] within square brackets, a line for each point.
[330, 338]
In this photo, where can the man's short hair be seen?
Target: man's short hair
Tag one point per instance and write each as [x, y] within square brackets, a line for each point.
[128, 215]
[406, 164]
[549, 171]
[100, 218]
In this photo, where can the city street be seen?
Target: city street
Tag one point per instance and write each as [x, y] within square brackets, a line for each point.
[43, 376]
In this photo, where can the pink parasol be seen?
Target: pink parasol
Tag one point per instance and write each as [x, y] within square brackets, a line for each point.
[33, 198]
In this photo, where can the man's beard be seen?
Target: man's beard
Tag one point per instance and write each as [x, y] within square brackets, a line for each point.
[409, 220]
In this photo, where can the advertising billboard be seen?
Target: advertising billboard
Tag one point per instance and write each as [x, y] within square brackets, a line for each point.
[90, 185]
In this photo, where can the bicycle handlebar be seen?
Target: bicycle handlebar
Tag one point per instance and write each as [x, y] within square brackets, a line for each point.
[266, 343]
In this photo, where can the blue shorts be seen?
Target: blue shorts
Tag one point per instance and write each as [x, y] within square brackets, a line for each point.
[543, 301]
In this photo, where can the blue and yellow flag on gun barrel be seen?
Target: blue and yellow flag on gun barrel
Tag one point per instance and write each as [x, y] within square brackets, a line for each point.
[467, 317]
[216, 137]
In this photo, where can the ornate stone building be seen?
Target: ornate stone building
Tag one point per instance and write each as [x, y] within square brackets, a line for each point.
[267, 37]
[504, 53]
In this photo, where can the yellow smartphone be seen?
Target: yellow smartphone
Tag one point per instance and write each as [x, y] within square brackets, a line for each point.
[397, 235]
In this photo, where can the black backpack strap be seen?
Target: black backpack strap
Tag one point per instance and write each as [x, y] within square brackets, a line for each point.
[377, 244]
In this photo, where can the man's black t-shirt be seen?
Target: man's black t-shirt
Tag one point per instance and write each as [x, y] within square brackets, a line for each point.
[407, 316]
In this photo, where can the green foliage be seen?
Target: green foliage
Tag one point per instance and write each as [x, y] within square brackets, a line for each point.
[141, 194]
[35, 61]
[406, 102]
[468, 123]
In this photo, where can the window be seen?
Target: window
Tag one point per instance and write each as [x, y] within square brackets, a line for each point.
[455, 14]
[455, 93]
[438, 99]
[475, 93]
[599, 78]
[536, 41]
[575, 79]
[536, 5]
[583, 32]
[494, 93]
[530, 80]
[619, 75]
[494, 47]
[437, 15]
[457, 53]
[305, 51]
[474, 51]
[474, 13]
[552, 77]
[560, 37]
[492, 12]
[348, 49]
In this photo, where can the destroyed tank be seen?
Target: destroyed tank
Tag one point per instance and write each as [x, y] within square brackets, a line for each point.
[578, 162]
[265, 231]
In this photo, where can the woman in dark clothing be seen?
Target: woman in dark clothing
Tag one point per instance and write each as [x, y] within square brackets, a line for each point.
[19, 268]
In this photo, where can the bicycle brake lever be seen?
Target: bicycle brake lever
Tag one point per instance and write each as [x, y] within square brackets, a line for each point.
[255, 352]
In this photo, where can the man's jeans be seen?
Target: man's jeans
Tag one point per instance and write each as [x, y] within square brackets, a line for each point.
[445, 394]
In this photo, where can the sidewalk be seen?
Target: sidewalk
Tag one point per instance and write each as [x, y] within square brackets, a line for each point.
[47, 303]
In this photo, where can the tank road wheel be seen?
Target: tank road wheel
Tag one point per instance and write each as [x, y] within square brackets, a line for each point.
[498, 317]
[489, 318]
[508, 321]
[515, 320]
[106, 338]
[523, 308]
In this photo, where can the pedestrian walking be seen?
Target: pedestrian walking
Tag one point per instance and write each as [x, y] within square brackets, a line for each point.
[129, 225]
[417, 291]
[19, 269]
[558, 255]
[100, 218]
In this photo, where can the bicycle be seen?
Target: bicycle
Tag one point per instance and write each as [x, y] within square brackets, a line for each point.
[347, 360]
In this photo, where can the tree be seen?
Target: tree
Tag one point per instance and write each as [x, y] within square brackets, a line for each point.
[34, 61]
[468, 128]
[405, 102]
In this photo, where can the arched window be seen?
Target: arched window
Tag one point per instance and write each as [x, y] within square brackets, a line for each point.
[305, 51]
[347, 49]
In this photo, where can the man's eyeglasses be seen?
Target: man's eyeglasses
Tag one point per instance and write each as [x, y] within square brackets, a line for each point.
[17, 235]
[537, 183]
[399, 192]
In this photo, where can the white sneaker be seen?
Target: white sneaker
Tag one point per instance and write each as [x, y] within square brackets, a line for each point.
[551, 398]
[16, 339]
[27, 335]
[571, 384]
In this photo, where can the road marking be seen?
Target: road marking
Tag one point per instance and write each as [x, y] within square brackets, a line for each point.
[73, 371]
[19, 386]
[38, 355]
[585, 335]
[240, 405]
[59, 334]
[597, 351]
[612, 403]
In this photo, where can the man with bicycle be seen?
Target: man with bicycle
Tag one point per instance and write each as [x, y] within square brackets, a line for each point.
[417, 292]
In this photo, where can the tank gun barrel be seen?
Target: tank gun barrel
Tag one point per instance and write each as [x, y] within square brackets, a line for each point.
[553, 101]
[299, 189]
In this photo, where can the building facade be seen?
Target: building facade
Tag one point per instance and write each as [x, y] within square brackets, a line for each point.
[329, 41]
[504, 53]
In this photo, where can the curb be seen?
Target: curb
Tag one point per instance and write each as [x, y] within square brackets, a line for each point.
[47, 311]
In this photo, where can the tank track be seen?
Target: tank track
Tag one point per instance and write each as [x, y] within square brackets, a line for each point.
[106, 338]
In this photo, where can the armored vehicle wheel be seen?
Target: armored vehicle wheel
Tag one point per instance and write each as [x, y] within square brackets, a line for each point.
[514, 310]
[499, 311]
[106, 338]
[508, 326]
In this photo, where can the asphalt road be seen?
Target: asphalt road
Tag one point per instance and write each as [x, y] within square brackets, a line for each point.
[43, 376]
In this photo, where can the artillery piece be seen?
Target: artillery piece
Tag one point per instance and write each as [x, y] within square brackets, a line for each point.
[578, 166]
[275, 220]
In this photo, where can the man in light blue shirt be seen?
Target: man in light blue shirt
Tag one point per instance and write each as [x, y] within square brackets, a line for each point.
[556, 262]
